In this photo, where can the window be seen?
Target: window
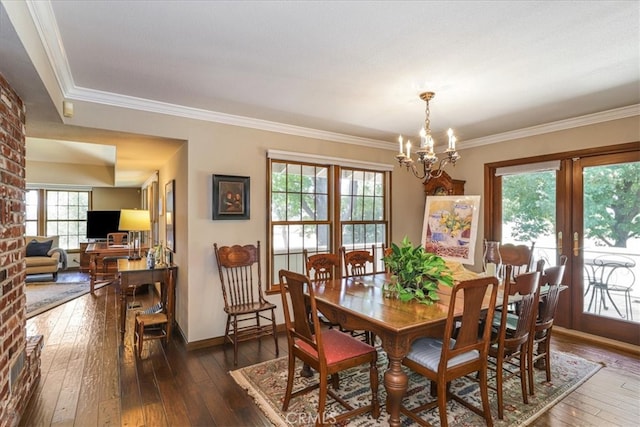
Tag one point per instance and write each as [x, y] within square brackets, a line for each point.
[362, 210]
[60, 213]
[320, 207]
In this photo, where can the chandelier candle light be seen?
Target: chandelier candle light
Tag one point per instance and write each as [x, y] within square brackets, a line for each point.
[425, 153]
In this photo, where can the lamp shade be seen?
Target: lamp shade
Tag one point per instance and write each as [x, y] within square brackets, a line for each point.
[134, 220]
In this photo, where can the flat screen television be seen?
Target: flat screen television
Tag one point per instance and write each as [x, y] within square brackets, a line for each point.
[101, 223]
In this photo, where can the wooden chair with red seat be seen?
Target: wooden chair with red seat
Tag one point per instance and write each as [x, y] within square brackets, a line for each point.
[244, 301]
[519, 257]
[540, 336]
[510, 343]
[465, 354]
[328, 351]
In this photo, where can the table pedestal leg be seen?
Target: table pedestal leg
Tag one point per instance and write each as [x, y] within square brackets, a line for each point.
[395, 382]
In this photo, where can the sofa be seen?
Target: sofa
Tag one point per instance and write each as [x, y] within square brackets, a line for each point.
[43, 256]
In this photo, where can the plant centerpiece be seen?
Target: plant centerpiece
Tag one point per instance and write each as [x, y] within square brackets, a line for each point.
[416, 273]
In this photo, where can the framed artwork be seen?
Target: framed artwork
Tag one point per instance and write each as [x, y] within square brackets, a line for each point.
[230, 197]
[169, 214]
[450, 227]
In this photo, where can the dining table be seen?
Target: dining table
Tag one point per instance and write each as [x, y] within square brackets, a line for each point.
[360, 303]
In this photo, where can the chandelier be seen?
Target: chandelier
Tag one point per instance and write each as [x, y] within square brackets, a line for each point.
[425, 153]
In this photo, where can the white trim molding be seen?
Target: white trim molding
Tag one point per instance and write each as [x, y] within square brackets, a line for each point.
[325, 160]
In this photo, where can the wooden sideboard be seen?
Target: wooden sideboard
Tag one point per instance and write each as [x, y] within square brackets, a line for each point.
[444, 185]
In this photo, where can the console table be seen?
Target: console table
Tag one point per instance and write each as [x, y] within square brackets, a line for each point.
[97, 252]
[133, 273]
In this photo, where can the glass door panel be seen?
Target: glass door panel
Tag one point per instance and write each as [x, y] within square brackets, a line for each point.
[606, 245]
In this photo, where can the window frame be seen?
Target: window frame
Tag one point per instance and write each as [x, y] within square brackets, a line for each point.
[334, 167]
[44, 218]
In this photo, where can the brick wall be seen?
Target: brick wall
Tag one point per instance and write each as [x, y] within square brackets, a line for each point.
[19, 362]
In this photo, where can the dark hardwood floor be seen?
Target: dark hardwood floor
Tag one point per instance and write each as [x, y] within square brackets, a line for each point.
[89, 379]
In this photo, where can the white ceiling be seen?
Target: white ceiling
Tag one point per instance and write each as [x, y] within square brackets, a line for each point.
[350, 69]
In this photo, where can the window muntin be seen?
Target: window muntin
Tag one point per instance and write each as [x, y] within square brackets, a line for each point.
[60, 213]
[302, 215]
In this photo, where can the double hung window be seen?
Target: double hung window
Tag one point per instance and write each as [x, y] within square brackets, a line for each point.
[320, 206]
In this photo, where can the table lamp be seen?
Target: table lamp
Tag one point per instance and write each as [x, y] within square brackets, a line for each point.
[134, 221]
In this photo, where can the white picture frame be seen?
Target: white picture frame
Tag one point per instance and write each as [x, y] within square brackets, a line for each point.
[450, 227]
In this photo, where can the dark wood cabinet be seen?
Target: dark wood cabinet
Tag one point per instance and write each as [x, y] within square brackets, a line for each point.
[444, 185]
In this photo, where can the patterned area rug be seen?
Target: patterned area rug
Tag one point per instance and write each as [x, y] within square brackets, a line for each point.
[43, 296]
[266, 383]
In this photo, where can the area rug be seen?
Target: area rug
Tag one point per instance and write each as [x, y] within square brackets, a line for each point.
[266, 383]
[43, 296]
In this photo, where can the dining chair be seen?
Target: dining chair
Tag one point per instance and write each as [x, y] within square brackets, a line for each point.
[323, 266]
[462, 355]
[519, 257]
[117, 239]
[328, 351]
[359, 262]
[511, 337]
[244, 301]
[539, 347]
[153, 322]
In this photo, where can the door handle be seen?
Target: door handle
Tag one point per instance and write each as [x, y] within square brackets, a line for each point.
[576, 246]
[559, 242]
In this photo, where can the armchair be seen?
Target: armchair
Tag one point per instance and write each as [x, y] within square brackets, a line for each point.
[43, 256]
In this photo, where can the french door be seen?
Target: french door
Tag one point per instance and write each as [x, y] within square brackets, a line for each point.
[586, 206]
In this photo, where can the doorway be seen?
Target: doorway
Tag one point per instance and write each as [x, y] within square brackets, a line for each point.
[585, 205]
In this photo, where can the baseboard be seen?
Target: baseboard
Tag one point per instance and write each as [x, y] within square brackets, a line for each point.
[212, 342]
[619, 345]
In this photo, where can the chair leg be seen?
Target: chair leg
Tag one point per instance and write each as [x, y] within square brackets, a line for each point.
[287, 394]
[530, 363]
[235, 340]
[547, 355]
[499, 380]
[442, 402]
[373, 379]
[140, 332]
[274, 331]
[484, 395]
[523, 372]
[322, 399]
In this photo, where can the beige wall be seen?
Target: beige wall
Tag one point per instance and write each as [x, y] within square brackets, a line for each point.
[233, 150]
[59, 173]
[115, 198]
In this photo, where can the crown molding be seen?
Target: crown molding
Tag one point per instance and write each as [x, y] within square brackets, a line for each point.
[45, 22]
[589, 119]
[151, 106]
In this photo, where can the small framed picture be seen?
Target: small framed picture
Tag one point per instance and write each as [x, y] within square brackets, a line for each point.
[230, 197]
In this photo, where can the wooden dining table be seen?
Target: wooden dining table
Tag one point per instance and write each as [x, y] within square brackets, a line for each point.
[358, 303]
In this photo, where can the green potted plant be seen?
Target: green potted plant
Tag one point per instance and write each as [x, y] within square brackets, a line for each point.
[416, 273]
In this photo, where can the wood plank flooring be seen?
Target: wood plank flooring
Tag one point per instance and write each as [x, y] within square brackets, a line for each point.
[88, 379]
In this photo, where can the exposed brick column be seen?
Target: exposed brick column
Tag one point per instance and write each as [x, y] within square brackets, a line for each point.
[19, 365]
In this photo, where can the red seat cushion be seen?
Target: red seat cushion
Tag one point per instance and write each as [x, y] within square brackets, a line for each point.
[338, 346]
